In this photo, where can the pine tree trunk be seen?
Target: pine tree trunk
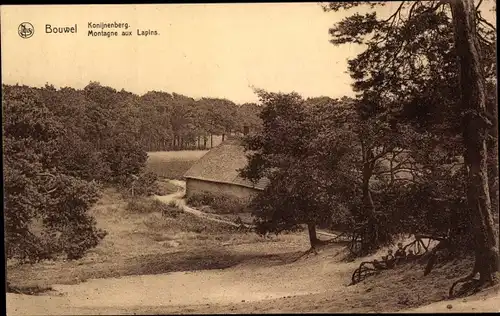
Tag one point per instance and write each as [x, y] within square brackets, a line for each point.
[492, 145]
[313, 238]
[475, 129]
[369, 206]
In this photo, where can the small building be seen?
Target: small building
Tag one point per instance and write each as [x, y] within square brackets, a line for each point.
[217, 172]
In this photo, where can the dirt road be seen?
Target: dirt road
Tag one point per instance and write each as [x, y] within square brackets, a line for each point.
[314, 284]
[246, 283]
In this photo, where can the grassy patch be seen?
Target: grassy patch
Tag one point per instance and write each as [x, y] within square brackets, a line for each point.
[28, 290]
[143, 205]
[185, 222]
[146, 205]
[219, 204]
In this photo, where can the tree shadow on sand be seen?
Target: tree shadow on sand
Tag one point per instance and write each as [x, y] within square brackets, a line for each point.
[202, 260]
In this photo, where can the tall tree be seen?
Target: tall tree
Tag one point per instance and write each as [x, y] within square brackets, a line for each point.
[279, 153]
[307, 183]
[476, 123]
[389, 40]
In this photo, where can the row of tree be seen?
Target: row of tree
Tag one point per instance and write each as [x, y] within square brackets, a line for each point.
[185, 123]
[415, 151]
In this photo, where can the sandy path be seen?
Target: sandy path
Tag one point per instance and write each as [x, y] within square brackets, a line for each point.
[177, 198]
[181, 203]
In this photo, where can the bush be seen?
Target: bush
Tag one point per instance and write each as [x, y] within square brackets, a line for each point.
[124, 157]
[145, 185]
[144, 206]
[43, 225]
[172, 204]
[222, 204]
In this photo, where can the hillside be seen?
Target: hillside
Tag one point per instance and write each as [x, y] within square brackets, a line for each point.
[176, 264]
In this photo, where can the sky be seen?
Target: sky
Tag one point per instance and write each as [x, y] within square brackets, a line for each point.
[204, 50]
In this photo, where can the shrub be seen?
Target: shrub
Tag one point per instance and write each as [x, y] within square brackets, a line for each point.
[146, 184]
[143, 205]
[149, 205]
[171, 211]
[44, 225]
[221, 203]
[172, 204]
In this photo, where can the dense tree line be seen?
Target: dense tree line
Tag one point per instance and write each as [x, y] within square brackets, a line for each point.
[158, 120]
[181, 122]
[416, 149]
[61, 145]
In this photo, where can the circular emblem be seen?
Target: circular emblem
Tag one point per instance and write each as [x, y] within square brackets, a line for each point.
[26, 30]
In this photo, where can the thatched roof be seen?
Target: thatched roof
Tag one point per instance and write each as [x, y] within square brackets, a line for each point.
[221, 164]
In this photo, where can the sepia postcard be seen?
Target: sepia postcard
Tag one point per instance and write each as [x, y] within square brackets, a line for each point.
[213, 158]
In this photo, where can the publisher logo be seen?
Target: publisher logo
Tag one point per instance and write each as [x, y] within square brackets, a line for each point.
[26, 30]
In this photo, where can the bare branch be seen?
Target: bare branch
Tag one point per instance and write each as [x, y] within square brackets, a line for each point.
[479, 4]
[438, 5]
[407, 180]
[398, 152]
[381, 154]
[482, 20]
[393, 16]
[484, 40]
[395, 171]
[398, 166]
